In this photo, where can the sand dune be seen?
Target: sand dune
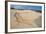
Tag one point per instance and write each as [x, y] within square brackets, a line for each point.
[23, 18]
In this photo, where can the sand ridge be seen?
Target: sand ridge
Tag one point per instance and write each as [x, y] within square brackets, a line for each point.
[23, 18]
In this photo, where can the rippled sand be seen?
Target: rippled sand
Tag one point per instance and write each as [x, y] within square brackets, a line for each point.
[24, 19]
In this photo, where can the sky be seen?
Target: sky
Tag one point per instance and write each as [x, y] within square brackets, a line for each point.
[26, 7]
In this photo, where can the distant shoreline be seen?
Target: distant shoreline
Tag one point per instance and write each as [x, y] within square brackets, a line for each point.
[31, 9]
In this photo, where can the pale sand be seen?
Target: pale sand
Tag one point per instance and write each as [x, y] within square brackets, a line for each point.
[24, 19]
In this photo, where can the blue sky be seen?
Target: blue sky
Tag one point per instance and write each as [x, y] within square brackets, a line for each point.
[26, 7]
